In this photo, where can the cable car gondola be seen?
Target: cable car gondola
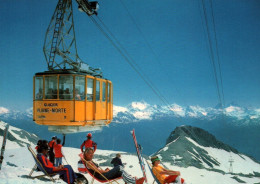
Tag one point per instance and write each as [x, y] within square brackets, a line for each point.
[71, 96]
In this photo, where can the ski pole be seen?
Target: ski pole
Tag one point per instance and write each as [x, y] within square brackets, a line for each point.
[3, 145]
[65, 159]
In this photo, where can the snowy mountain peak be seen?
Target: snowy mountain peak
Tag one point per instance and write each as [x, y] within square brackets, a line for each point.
[196, 111]
[139, 105]
[118, 109]
[194, 147]
[178, 110]
[3, 110]
[200, 136]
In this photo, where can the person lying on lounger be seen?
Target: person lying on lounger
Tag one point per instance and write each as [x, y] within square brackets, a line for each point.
[114, 173]
[165, 175]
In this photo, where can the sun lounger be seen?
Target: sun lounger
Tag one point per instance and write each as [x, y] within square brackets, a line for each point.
[92, 174]
[39, 165]
[150, 168]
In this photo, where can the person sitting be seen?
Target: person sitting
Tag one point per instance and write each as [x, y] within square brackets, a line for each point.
[39, 143]
[67, 94]
[117, 160]
[65, 171]
[165, 175]
[114, 173]
[39, 94]
[88, 143]
[49, 94]
[77, 95]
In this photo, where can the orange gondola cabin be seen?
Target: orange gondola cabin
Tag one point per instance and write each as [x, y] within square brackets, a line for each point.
[70, 96]
[71, 99]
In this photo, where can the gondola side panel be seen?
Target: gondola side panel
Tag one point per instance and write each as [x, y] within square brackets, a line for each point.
[80, 111]
[54, 112]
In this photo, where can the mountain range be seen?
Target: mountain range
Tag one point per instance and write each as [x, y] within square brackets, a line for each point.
[238, 126]
[137, 111]
[142, 110]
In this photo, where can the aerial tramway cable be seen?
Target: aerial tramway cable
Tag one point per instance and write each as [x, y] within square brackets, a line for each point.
[217, 53]
[132, 60]
[147, 43]
[141, 32]
[219, 85]
[129, 60]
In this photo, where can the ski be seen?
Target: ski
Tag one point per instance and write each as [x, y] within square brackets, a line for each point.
[139, 154]
[3, 145]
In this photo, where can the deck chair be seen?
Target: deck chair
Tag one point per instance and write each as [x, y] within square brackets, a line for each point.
[150, 168]
[92, 174]
[39, 165]
[154, 177]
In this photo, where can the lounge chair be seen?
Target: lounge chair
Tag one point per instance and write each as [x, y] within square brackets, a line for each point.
[150, 168]
[39, 165]
[92, 174]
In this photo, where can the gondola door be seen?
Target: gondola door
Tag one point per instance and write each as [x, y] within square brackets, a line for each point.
[97, 100]
[109, 101]
[79, 97]
[104, 101]
[90, 105]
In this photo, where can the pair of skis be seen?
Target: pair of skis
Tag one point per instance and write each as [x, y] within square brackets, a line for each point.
[3, 145]
[139, 154]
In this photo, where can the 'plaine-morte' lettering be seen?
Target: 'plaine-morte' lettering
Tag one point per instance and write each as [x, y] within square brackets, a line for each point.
[58, 110]
[52, 110]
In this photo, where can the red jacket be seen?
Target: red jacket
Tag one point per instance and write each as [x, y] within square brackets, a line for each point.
[52, 144]
[57, 150]
[48, 166]
[88, 144]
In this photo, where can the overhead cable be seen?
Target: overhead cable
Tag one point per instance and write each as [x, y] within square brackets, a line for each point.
[147, 42]
[212, 58]
[130, 61]
[217, 52]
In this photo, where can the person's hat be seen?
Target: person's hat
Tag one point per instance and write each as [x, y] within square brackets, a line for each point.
[89, 135]
[54, 137]
[155, 158]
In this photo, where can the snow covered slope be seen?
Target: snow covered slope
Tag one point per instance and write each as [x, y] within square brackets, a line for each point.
[18, 162]
[198, 151]
[17, 137]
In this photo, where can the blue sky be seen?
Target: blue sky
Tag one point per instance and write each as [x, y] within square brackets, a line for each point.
[179, 64]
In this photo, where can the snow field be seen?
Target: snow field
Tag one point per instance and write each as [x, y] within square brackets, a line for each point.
[193, 175]
[242, 164]
[18, 163]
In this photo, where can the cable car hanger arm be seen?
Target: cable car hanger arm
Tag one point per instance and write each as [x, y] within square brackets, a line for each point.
[60, 47]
